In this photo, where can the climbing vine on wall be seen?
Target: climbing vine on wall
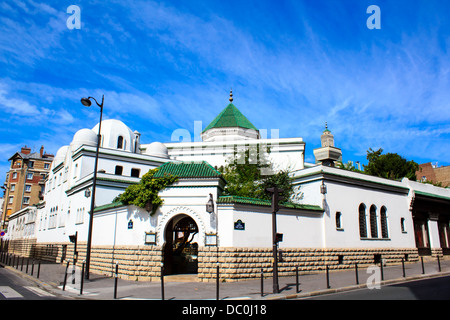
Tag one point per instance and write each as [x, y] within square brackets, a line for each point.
[145, 194]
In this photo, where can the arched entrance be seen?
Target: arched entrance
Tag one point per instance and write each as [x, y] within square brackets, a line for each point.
[180, 248]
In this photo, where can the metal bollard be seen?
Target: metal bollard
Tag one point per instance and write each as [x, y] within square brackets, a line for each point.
[403, 268]
[32, 267]
[328, 277]
[65, 275]
[356, 273]
[116, 275]
[21, 266]
[297, 284]
[39, 269]
[28, 260]
[82, 277]
[162, 281]
[423, 267]
[381, 268]
[217, 282]
[262, 282]
[439, 263]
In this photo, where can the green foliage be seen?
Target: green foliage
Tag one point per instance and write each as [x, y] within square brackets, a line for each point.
[348, 166]
[145, 194]
[249, 173]
[390, 165]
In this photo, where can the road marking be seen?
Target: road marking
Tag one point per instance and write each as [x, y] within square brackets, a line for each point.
[9, 292]
[77, 290]
[39, 292]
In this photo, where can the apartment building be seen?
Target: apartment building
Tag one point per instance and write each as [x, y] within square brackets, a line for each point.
[25, 181]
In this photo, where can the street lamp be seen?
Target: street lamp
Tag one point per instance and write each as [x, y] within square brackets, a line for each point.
[276, 237]
[87, 102]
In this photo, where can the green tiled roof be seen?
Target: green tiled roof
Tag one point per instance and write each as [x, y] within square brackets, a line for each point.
[261, 202]
[194, 169]
[111, 205]
[230, 117]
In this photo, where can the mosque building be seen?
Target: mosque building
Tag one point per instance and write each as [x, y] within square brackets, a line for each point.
[338, 217]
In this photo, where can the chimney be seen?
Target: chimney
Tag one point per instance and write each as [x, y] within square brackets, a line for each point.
[25, 150]
[41, 153]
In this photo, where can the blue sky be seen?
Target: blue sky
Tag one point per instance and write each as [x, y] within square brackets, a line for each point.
[293, 65]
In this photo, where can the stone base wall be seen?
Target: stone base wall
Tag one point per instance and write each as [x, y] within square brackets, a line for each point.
[143, 263]
[246, 263]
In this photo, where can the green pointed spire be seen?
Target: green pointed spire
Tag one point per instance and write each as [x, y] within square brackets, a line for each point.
[230, 117]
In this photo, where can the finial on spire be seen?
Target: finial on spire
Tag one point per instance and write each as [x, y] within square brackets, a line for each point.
[326, 125]
[231, 95]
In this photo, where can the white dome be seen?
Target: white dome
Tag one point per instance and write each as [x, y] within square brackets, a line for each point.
[60, 156]
[157, 149]
[84, 137]
[112, 130]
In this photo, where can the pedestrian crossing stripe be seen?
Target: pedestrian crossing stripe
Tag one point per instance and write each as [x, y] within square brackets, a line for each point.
[39, 292]
[9, 293]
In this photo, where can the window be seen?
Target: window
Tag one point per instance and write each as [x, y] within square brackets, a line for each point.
[80, 216]
[75, 170]
[383, 221]
[12, 188]
[362, 221]
[28, 188]
[120, 142]
[14, 175]
[31, 164]
[46, 165]
[338, 221]
[119, 170]
[11, 199]
[402, 225]
[373, 222]
[135, 172]
[26, 200]
[29, 176]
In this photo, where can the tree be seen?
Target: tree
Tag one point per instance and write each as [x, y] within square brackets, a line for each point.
[348, 166]
[390, 165]
[247, 176]
[145, 194]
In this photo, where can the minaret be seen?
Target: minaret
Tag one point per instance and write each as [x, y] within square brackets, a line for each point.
[327, 138]
[327, 154]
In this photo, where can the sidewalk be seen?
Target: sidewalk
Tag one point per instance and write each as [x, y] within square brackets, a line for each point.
[100, 287]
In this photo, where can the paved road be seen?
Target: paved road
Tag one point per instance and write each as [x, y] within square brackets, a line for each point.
[13, 287]
[426, 289]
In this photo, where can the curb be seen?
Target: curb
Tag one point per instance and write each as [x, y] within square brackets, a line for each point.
[41, 284]
[54, 288]
[357, 286]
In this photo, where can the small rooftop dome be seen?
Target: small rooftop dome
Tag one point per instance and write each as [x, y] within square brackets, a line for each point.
[83, 137]
[60, 156]
[116, 135]
[157, 149]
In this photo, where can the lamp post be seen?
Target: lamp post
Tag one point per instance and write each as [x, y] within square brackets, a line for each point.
[275, 237]
[87, 102]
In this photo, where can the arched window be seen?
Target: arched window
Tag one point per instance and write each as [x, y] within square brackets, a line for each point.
[120, 142]
[362, 221]
[373, 222]
[383, 221]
